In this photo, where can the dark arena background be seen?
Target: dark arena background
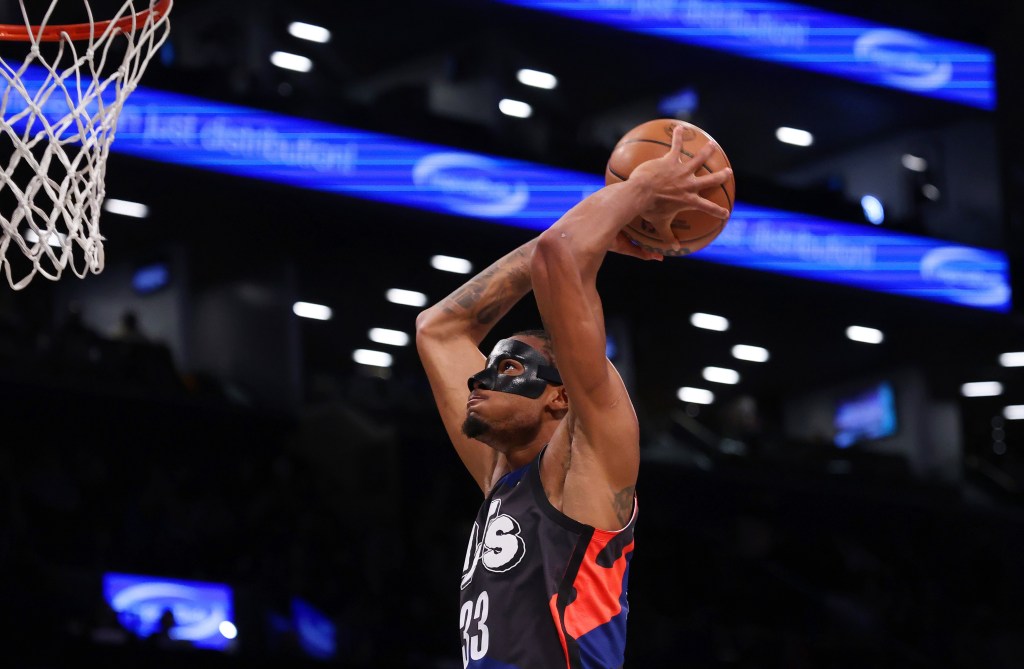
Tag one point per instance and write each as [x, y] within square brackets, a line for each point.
[222, 450]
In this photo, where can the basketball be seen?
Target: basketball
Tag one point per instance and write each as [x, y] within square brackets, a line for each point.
[650, 140]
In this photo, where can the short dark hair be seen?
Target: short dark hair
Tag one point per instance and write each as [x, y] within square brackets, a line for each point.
[547, 349]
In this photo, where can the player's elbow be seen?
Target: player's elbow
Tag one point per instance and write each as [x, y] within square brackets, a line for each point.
[428, 324]
[423, 321]
[548, 255]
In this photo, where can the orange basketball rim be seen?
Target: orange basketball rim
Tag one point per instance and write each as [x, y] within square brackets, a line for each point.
[81, 31]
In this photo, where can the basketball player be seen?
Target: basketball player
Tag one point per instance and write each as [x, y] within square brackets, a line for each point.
[547, 430]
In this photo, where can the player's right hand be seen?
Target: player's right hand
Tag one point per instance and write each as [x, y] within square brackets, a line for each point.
[673, 185]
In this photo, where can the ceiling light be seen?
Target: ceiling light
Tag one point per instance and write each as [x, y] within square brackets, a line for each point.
[721, 375]
[914, 163]
[709, 322]
[55, 239]
[310, 32]
[227, 629]
[371, 358]
[537, 79]
[392, 337]
[291, 61]
[450, 264]
[126, 208]
[317, 312]
[695, 395]
[981, 389]
[1014, 412]
[1015, 359]
[410, 298]
[873, 209]
[931, 191]
[865, 335]
[794, 136]
[515, 108]
[750, 353]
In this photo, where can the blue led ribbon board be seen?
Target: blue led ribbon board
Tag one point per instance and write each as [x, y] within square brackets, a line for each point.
[814, 248]
[200, 609]
[258, 144]
[805, 38]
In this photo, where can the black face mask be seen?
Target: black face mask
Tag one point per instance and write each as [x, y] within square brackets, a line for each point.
[536, 376]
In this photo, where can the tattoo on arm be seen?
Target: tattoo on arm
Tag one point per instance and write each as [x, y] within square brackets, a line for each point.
[624, 504]
[490, 294]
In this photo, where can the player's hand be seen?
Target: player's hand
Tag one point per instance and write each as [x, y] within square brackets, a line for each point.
[673, 186]
[626, 246]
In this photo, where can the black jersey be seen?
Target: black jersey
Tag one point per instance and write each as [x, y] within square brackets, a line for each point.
[540, 590]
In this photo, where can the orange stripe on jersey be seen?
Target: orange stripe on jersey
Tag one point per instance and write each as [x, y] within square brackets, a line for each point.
[598, 590]
[553, 603]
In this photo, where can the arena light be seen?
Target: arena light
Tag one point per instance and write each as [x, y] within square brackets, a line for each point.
[981, 389]
[291, 61]
[227, 629]
[1014, 359]
[931, 191]
[914, 163]
[386, 336]
[794, 136]
[409, 298]
[516, 108]
[126, 208]
[750, 353]
[309, 32]
[721, 375]
[873, 209]
[451, 264]
[317, 312]
[695, 395]
[1014, 412]
[537, 79]
[55, 239]
[709, 322]
[371, 358]
[865, 335]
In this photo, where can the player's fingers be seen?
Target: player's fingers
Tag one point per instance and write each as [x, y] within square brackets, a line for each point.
[663, 226]
[708, 207]
[677, 141]
[714, 179]
[700, 157]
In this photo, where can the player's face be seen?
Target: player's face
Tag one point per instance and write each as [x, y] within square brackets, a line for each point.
[507, 398]
[516, 367]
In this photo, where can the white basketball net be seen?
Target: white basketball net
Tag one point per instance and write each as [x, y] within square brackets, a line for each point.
[58, 112]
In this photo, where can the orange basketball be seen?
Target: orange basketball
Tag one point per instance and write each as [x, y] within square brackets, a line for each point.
[650, 140]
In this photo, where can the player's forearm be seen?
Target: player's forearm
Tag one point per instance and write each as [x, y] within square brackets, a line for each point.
[587, 231]
[475, 307]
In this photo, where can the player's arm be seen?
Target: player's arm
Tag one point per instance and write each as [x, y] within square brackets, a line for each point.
[448, 337]
[564, 270]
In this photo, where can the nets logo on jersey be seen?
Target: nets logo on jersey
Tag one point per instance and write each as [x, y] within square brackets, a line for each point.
[499, 549]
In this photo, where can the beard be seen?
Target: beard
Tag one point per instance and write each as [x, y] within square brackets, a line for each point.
[474, 427]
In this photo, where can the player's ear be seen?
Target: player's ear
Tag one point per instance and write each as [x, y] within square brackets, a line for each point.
[558, 399]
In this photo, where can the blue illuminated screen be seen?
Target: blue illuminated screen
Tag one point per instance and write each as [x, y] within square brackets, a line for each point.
[867, 415]
[151, 278]
[316, 633]
[200, 609]
[258, 144]
[804, 37]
